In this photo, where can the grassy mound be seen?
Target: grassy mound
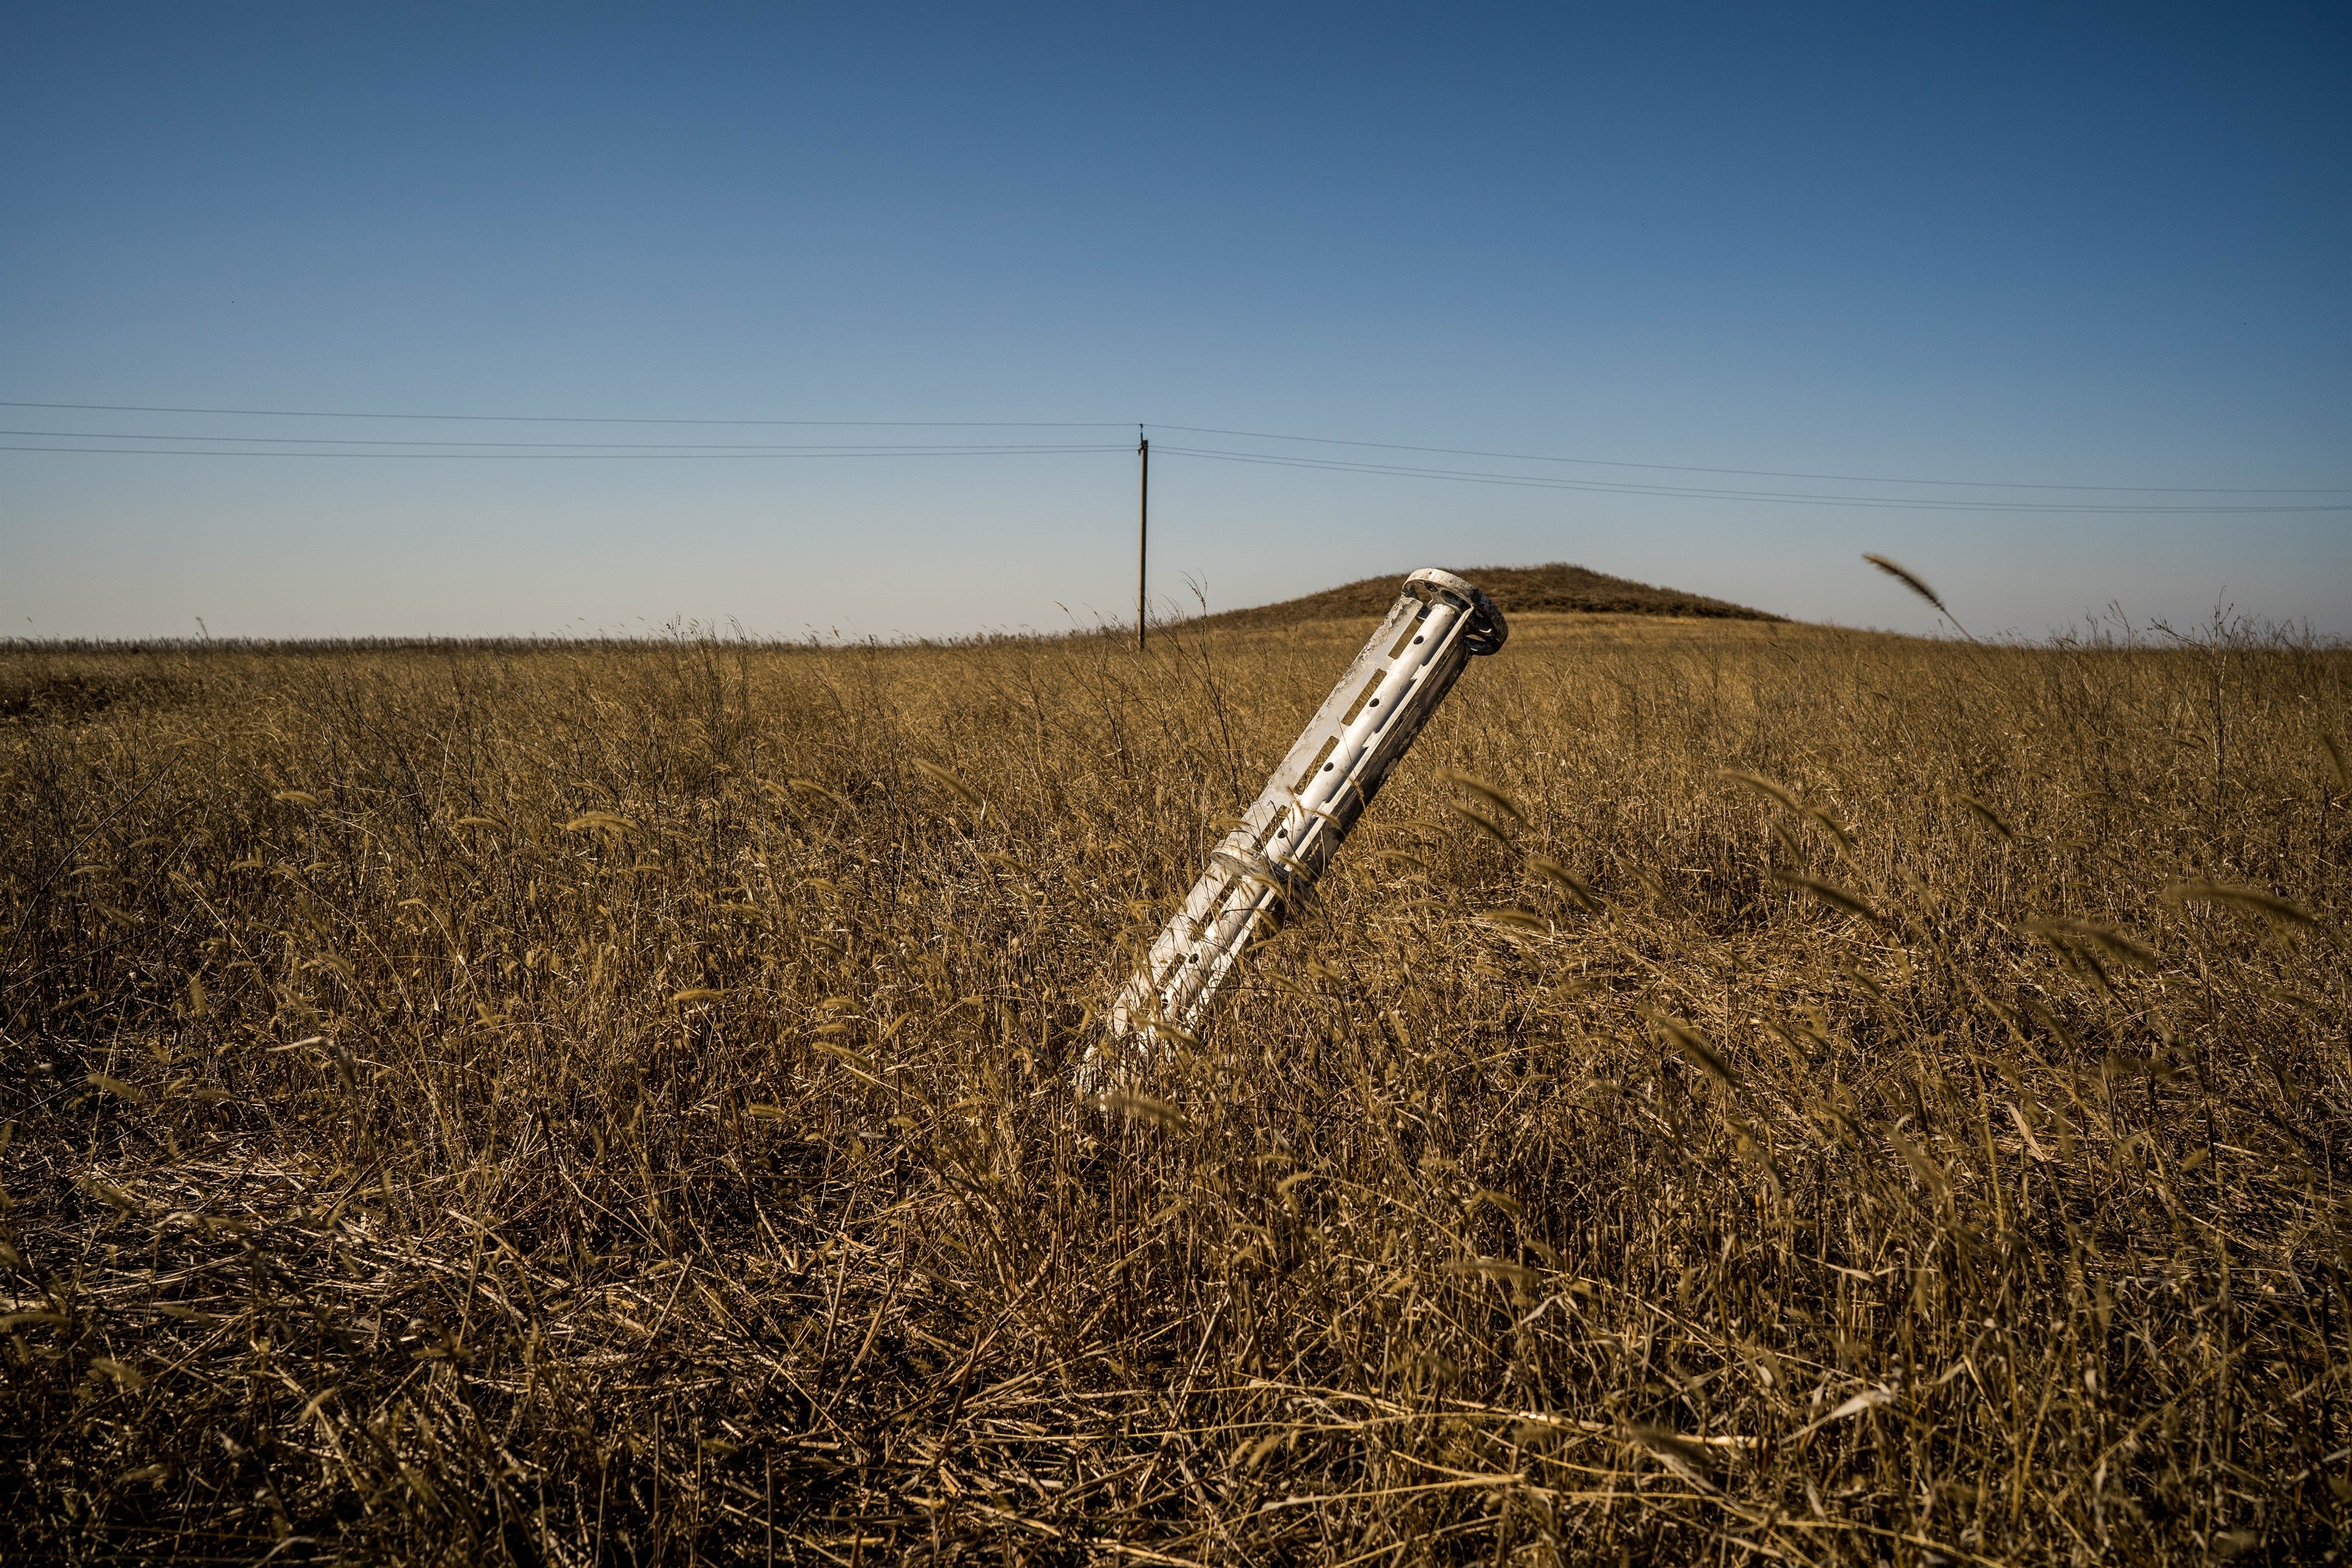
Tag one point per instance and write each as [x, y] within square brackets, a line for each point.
[1518, 590]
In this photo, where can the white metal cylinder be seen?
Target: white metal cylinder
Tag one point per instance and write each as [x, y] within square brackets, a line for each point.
[1264, 868]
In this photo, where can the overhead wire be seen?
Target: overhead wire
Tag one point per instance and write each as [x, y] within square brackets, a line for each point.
[235, 445]
[572, 457]
[1602, 487]
[583, 418]
[560, 447]
[1763, 473]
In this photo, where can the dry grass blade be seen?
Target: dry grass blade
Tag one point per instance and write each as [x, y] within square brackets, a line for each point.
[2060, 930]
[1771, 791]
[1988, 816]
[1579, 892]
[1686, 1039]
[1929, 1172]
[116, 1087]
[1909, 579]
[1692, 1458]
[1830, 893]
[1493, 797]
[1141, 1108]
[1480, 820]
[1764, 787]
[2248, 900]
[1832, 827]
[1918, 585]
[949, 780]
[1502, 1271]
[1868, 1399]
[120, 1372]
[1514, 921]
[815, 791]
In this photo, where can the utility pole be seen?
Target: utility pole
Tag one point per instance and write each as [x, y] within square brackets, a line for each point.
[1143, 533]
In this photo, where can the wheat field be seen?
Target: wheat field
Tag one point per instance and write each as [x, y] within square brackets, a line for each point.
[1829, 1098]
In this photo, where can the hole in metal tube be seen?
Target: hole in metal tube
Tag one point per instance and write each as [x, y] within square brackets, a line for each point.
[1314, 768]
[1362, 698]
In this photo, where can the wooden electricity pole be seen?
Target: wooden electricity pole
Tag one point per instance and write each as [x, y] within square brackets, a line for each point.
[1143, 533]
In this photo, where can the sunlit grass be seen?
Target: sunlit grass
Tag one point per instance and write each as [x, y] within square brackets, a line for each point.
[1876, 1099]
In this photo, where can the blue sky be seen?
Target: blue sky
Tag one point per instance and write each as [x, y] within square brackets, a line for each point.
[2087, 247]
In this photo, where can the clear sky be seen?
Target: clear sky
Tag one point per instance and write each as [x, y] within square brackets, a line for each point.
[2055, 246]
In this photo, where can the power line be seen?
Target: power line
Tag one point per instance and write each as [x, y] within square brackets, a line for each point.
[1603, 486]
[589, 419]
[716, 449]
[591, 455]
[559, 447]
[389, 450]
[1763, 473]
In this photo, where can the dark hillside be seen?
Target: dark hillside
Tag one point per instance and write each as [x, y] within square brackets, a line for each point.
[1516, 590]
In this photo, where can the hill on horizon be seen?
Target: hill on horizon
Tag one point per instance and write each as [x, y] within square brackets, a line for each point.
[1516, 591]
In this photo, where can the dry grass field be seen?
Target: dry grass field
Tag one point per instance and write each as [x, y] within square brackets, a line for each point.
[608, 1104]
